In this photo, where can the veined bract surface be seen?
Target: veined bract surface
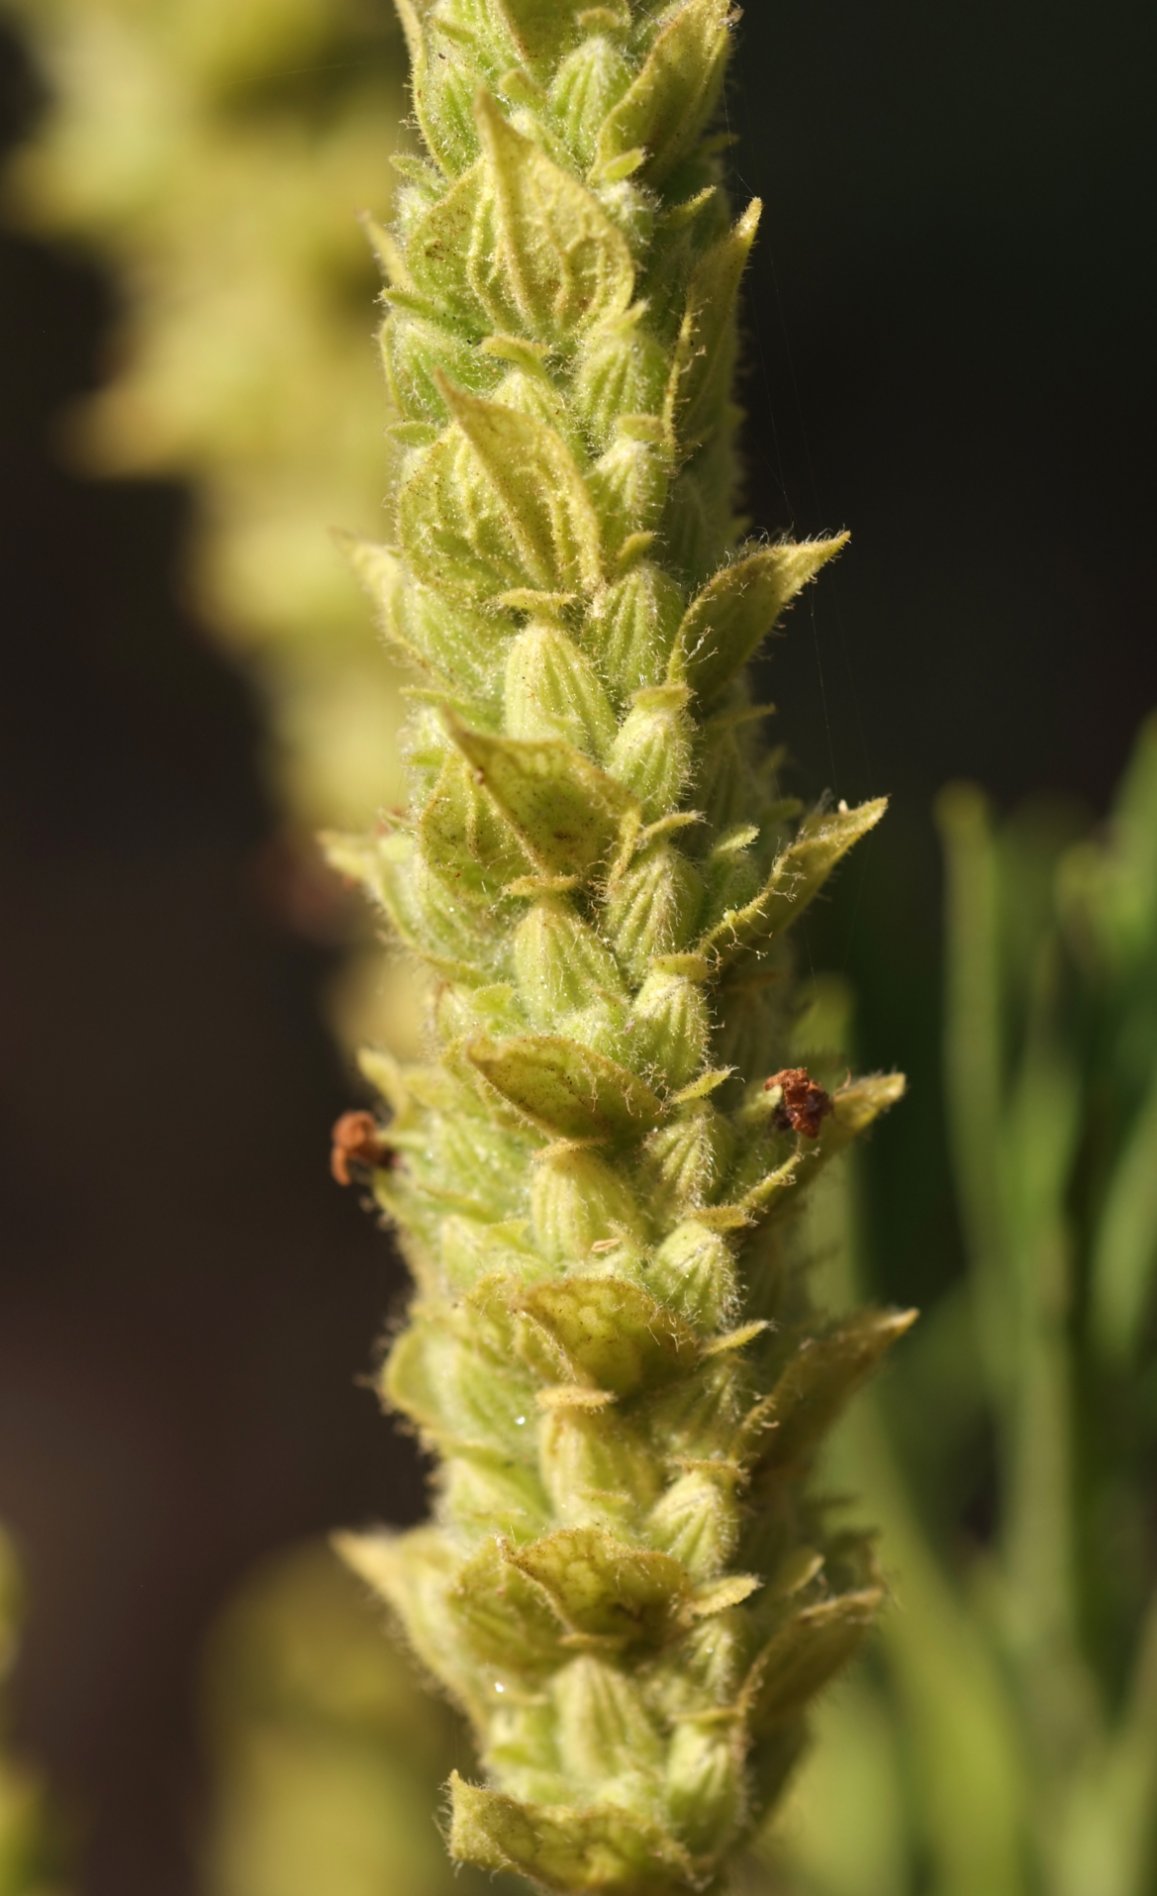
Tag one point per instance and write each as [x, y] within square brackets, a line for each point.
[611, 1348]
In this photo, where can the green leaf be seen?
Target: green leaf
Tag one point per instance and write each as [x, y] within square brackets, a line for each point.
[559, 264]
[461, 830]
[542, 30]
[705, 359]
[569, 1090]
[449, 255]
[770, 1189]
[413, 1574]
[532, 480]
[821, 1374]
[565, 810]
[604, 1587]
[975, 1068]
[422, 911]
[667, 106]
[507, 1619]
[809, 1647]
[725, 622]
[797, 876]
[856, 1106]
[440, 89]
[603, 1850]
[456, 1394]
[497, 506]
[611, 1332]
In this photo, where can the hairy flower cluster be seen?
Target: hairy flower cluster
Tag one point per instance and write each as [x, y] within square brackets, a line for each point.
[611, 1348]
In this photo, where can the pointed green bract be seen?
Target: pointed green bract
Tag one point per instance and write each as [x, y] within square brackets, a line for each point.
[626, 1585]
[674, 92]
[726, 621]
[565, 263]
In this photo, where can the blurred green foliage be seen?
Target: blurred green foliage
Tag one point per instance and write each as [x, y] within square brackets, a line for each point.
[32, 1840]
[330, 1752]
[1003, 1737]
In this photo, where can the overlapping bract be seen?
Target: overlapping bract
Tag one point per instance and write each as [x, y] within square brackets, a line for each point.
[611, 1347]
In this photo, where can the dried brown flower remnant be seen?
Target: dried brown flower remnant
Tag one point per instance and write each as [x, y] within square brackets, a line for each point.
[357, 1140]
[803, 1105]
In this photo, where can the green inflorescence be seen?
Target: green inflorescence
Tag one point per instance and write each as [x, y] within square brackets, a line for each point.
[612, 1350]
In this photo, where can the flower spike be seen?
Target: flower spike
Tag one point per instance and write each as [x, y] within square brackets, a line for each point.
[626, 1585]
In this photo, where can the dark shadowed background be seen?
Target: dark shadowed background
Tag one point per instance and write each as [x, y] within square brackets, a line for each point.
[950, 349]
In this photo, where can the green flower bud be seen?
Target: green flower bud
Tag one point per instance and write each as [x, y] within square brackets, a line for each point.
[606, 1735]
[622, 371]
[705, 1789]
[670, 1026]
[596, 1476]
[694, 1271]
[697, 1522]
[488, 1495]
[629, 487]
[416, 355]
[579, 1201]
[684, 1162]
[588, 84]
[632, 627]
[652, 908]
[552, 690]
[652, 752]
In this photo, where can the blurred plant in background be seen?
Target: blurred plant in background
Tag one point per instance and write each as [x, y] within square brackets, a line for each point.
[330, 1752]
[1003, 1737]
[214, 154]
[30, 1845]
